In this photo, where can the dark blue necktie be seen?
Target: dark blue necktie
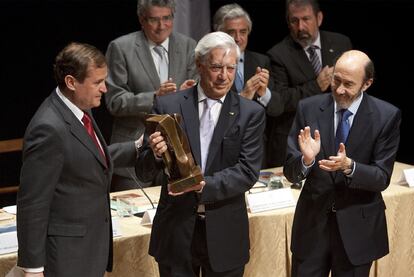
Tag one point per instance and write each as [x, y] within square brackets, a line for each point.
[342, 130]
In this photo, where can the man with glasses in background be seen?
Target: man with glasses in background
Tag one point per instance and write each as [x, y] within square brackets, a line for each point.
[144, 64]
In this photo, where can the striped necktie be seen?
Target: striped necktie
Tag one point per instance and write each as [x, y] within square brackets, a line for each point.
[314, 59]
[163, 65]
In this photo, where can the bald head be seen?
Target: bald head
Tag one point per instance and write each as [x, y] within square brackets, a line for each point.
[357, 62]
[353, 74]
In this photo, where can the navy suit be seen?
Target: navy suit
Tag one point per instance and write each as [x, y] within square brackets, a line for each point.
[295, 79]
[372, 143]
[232, 168]
[63, 214]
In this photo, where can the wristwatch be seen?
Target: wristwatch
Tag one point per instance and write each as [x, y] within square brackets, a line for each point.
[350, 169]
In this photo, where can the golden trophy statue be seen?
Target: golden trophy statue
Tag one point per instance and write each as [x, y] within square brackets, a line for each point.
[178, 159]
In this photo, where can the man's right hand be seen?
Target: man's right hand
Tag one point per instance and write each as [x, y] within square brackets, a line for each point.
[309, 146]
[166, 87]
[325, 77]
[157, 144]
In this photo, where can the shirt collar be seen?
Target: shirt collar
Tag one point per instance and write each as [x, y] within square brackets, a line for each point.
[354, 106]
[164, 44]
[317, 43]
[75, 110]
[201, 95]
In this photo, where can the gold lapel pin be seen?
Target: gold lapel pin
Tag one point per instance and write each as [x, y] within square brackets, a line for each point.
[231, 113]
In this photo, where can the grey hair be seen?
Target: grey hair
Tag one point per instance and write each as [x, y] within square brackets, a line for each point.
[212, 41]
[144, 5]
[228, 12]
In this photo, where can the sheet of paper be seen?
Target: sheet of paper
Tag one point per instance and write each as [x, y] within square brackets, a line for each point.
[269, 200]
[10, 209]
[148, 217]
[407, 177]
[116, 230]
[8, 242]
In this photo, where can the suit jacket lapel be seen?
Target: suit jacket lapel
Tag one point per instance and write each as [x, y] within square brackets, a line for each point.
[229, 112]
[145, 56]
[326, 125]
[189, 111]
[326, 129]
[108, 162]
[174, 57]
[299, 57]
[78, 130]
[328, 51]
[360, 126]
[249, 66]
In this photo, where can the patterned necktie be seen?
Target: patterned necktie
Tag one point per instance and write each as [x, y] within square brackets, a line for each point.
[163, 65]
[87, 123]
[342, 130]
[238, 82]
[314, 59]
[206, 130]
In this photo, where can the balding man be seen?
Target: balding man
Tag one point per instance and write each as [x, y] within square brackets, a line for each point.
[339, 222]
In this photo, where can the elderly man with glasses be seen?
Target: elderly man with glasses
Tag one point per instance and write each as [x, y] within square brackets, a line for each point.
[206, 226]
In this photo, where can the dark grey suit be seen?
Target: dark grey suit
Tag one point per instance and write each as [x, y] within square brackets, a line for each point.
[133, 80]
[275, 106]
[295, 79]
[63, 215]
[372, 143]
[232, 168]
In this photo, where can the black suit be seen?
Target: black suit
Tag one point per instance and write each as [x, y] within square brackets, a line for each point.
[232, 168]
[252, 60]
[295, 79]
[63, 214]
[360, 218]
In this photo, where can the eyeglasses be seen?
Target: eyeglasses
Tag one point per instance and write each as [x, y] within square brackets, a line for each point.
[157, 20]
[219, 67]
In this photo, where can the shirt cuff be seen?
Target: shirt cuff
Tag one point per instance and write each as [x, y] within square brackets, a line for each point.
[265, 99]
[33, 270]
[138, 142]
[305, 168]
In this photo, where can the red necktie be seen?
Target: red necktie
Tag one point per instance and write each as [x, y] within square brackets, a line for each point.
[87, 123]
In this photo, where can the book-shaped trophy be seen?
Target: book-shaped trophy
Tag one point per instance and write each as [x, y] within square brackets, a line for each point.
[178, 159]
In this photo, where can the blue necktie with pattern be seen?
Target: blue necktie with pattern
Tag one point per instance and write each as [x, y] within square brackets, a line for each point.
[342, 130]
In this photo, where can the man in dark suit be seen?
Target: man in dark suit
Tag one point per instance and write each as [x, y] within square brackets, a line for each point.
[253, 67]
[63, 215]
[207, 226]
[134, 74]
[293, 73]
[339, 222]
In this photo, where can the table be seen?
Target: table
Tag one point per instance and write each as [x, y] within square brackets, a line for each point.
[270, 240]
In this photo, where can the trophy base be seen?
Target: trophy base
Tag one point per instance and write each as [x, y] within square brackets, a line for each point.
[181, 184]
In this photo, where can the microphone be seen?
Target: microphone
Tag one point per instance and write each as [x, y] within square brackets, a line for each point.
[132, 175]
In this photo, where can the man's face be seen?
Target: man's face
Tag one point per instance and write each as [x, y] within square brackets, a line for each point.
[217, 72]
[304, 24]
[157, 24]
[347, 84]
[239, 30]
[88, 93]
